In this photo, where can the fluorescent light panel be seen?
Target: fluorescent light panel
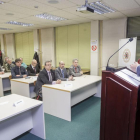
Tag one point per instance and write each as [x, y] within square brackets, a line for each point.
[1, 2]
[20, 23]
[5, 28]
[50, 17]
[101, 8]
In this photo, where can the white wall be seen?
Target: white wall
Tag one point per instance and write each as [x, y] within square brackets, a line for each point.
[2, 43]
[113, 30]
[48, 45]
[10, 44]
[36, 39]
[94, 55]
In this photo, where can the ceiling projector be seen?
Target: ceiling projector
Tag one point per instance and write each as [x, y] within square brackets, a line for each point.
[85, 8]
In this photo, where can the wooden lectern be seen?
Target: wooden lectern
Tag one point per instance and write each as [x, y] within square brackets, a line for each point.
[120, 109]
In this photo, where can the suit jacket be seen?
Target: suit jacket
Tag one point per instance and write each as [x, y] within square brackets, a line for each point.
[15, 71]
[31, 71]
[0, 68]
[73, 72]
[42, 79]
[138, 70]
[8, 67]
[58, 74]
[36, 57]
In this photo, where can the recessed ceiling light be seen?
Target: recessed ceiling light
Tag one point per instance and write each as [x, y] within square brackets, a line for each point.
[9, 14]
[5, 28]
[50, 17]
[20, 23]
[53, 1]
[35, 6]
[1, 2]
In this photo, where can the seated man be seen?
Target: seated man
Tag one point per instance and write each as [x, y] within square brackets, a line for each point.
[9, 65]
[23, 64]
[46, 76]
[136, 68]
[61, 72]
[75, 69]
[33, 69]
[18, 71]
[1, 71]
[5, 62]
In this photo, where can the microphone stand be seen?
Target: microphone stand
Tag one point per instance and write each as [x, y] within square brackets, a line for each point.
[111, 68]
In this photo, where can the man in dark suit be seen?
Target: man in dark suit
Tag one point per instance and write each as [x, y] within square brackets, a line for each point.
[33, 69]
[18, 71]
[61, 72]
[136, 68]
[46, 76]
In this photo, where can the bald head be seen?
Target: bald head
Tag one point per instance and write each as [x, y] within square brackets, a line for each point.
[34, 63]
[61, 64]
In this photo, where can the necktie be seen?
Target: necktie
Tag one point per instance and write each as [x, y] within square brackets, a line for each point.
[63, 73]
[50, 77]
[19, 71]
[75, 69]
[34, 69]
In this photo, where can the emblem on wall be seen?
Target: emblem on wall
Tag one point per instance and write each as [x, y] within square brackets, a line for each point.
[126, 55]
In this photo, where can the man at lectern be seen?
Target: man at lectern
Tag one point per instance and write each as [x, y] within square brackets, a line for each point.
[136, 68]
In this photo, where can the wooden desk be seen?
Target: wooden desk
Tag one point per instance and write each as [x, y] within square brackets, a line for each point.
[59, 99]
[4, 83]
[24, 87]
[15, 121]
[86, 71]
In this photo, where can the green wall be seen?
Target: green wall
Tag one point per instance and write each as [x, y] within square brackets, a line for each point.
[73, 42]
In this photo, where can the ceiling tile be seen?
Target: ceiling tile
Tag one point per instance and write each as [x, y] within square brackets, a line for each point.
[131, 13]
[7, 18]
[82, 2]
[82, 19]
[18, 9]
[62, 3]
[98, 17]
[31, 3]
[6, 0]
[115, 15]
[138, 1]
[122, 4]
[63, 14]
[16, 14]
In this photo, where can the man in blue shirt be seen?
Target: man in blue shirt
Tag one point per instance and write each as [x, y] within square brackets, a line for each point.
[22, 63]
[18, 71]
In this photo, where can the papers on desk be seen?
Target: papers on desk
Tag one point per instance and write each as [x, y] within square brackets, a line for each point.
[129, 76]
[68, 85]
[3, 103]
[34, 78]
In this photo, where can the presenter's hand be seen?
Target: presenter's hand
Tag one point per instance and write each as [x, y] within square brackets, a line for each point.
[58, 81]
[17, 75]
[37, 74]
[134, 66]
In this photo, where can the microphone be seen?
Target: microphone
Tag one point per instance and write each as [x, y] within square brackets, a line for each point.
[113, 69]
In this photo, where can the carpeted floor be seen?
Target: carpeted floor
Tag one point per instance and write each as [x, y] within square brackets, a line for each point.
[85, 124]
